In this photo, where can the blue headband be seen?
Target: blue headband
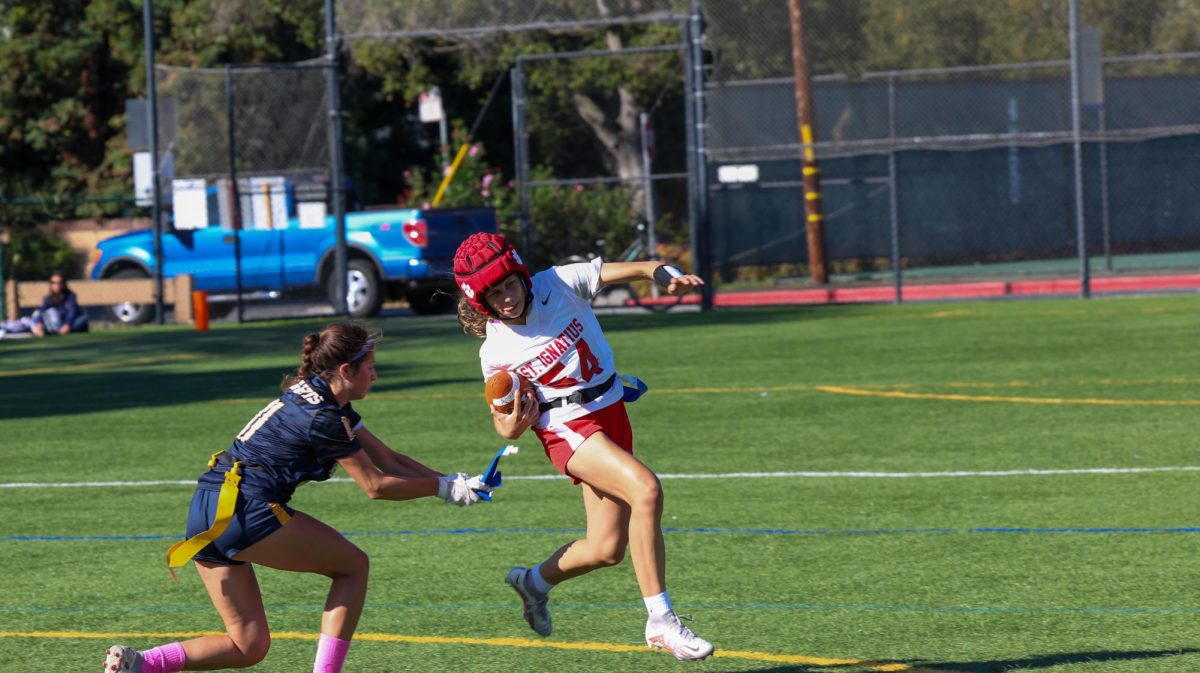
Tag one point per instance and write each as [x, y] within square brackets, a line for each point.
[362, 352]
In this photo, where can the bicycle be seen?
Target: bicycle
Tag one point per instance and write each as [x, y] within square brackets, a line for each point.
[620, 295]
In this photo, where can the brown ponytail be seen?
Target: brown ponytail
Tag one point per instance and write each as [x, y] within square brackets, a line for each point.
[473, 322]
[324, 351]
[311, 342]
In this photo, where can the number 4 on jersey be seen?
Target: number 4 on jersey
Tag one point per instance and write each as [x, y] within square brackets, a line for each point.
[589, 368]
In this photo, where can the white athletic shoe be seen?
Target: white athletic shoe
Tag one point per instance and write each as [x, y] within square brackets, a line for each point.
[121, 659]
[536, 612]
[671, 635]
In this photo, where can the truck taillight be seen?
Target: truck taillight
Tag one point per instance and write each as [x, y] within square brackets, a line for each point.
[417, 233]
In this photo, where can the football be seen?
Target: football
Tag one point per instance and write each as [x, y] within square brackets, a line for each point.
[500, 389]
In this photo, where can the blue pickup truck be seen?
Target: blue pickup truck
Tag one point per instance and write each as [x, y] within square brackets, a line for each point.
[391, 254]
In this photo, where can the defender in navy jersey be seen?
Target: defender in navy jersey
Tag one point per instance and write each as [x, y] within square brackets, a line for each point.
[240, 515]
[542, 326]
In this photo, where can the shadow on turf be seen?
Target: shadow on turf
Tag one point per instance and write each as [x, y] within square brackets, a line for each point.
[146, 370]
[1041, 661]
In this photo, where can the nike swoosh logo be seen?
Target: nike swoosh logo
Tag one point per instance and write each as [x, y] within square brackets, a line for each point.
[546, 299]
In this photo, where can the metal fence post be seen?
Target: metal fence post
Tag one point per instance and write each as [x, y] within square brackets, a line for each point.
[335, 157]
[3, 289]
[893, 197]
[235, 208]
[1085, 289]
[701, 242]
[152, 115]
[521, 156]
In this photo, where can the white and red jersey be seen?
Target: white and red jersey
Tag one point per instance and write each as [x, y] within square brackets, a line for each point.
[560, 347]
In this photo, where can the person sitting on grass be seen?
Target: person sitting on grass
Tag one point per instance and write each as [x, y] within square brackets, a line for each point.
[60, 312]
[240, 517]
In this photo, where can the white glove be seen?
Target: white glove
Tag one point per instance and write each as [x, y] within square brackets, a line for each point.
[476, 484]
[459, 489]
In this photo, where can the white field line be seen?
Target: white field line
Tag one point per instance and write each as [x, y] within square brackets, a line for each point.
[701, 475]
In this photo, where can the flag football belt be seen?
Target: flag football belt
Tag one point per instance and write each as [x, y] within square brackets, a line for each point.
[182, 552]
[579, 396]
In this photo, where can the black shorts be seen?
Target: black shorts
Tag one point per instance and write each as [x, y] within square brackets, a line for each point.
[252, 521]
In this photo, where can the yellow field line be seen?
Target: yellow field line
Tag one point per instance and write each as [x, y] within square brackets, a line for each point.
[839, 390]
[1178, 380]
[796, 659]
[460, 396]
[99, 365]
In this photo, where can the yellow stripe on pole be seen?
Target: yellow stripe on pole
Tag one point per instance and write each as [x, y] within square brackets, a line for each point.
[806, 136]
[815, 218]
[811, 170]
[813, 196]
[458, 159]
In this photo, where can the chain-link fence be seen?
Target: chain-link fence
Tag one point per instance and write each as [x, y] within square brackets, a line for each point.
[604, 135]
[244, 148]
[475, 19]
[275, 117]
[628, 200]
[946, 134]
[938, 155]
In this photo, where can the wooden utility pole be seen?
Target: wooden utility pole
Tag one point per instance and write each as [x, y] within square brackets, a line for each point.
[814, 221]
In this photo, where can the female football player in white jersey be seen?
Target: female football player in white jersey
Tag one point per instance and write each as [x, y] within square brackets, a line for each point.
[240, 517]
[543, 328]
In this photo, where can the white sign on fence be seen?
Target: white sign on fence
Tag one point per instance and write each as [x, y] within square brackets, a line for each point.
[429, 106]
[269, 196]
[191, 204]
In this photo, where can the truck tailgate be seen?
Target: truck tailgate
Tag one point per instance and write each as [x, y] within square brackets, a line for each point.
[447, 228]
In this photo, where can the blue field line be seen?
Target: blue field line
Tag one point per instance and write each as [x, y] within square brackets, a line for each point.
[1186, 529]
[637, 608]
[684, 531]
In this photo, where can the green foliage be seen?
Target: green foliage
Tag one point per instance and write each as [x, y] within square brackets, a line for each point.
[67, 67]
[579, 220]
[476, 183]
[33, 253]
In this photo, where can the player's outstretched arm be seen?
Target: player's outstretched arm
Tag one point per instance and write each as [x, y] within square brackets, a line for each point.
[458, 489]
[381, 485]
[674, 281]
[524, 414]
[391, 461]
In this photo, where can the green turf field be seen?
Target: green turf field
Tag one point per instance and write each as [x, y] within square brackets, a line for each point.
[978, 487]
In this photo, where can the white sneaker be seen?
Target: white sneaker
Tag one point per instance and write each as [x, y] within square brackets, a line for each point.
[671, 635]
[536, 612]
[121, 659]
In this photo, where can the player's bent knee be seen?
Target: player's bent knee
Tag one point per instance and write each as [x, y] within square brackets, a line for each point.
[252, 650]
[610, 557]
[353, 562]
[607, 552]
[258, 652]
[361, 563]
[647, 494]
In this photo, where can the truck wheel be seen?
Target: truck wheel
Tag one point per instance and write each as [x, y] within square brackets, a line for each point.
[129, 313]
[364, 292]
[431, 302]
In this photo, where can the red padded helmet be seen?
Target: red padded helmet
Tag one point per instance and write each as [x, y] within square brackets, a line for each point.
[482, 262]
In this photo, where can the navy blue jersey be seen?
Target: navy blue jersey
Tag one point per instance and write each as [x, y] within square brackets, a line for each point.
[296, 438]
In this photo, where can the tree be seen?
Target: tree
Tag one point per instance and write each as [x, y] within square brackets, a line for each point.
[595, 99]
[64, 74]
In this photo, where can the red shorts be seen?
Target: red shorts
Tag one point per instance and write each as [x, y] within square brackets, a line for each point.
[560, 442]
